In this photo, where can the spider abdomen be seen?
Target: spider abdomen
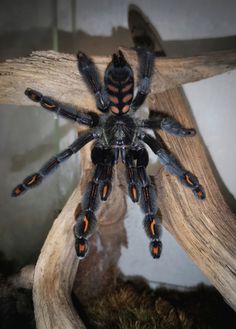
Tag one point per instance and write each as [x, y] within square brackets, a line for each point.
[119, 84]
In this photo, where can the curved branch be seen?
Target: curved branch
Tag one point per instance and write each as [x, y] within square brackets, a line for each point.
[57, 265]
[206, 230]
[55, 272]
[57, 74]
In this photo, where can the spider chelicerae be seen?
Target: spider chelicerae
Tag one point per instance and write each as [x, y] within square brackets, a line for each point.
[117, 135]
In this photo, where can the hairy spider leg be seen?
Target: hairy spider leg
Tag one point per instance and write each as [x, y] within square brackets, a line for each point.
[131, 174]
[107, 158]
[90, 75]
[173, 166]
[66, 111]
[146, 60]
[167, 124]
[36, 178]
[86, 220]
[148, 203]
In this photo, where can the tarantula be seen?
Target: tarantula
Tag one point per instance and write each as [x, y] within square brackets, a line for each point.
[117, 134]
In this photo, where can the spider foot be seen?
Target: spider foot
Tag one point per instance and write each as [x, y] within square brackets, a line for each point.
[199, 192]
[155, 248]
[173, 127]
[29, 182]
[81, 247]
[18, 190]
[192, 182]
[85, 224]
[34, 95]
[152, 226]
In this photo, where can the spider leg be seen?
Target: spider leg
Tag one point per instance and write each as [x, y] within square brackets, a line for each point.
[168, 124]
[148, 203]
[88, 71]
[66, 111]
[173, 165]
[146, 59]
[131, 175]
[106, 157]
[36, 178]
[86, 220]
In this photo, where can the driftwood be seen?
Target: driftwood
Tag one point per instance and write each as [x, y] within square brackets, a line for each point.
[206, 230]
[57, 74]
[56, 267]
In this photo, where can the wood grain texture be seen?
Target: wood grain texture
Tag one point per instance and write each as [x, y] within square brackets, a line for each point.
[57, 265]
[56, 269]
[56, 74]
[205, 229]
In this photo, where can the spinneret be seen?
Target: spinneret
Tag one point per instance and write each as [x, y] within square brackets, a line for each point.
[117, 136]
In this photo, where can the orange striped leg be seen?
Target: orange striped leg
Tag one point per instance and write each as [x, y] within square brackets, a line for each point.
[86, 221]
[64, 110]
[148, 203]
[131, 177]
[36, 178]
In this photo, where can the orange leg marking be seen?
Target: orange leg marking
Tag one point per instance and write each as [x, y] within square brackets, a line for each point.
[153, 226]
[33, 179]
[86, 223]
[134, 193]
[17, 190]
[49, 106]
[81, 247]
[105, 190]
[155, 250]
[188, 180]
[199, 194]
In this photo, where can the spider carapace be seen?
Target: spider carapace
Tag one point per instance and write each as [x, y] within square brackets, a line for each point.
[117, 134]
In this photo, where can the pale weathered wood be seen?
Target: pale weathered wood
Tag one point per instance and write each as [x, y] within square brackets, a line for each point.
[55, 272]
[57, 75]
[205, 229]
[57, 264]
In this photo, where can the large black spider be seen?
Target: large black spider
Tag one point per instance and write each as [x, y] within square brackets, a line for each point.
[117, 134]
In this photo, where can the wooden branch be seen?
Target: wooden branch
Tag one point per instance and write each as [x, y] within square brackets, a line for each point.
[57, 265]
[206, 230]
[55, 272]
[57, 75]
[191, 222]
